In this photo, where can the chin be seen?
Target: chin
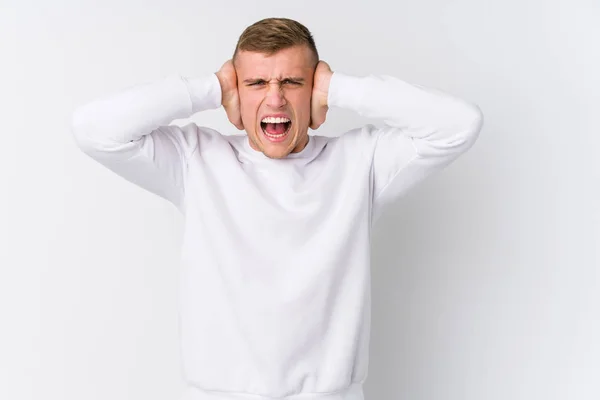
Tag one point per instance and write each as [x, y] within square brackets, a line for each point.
[276, 156]
[276, 151]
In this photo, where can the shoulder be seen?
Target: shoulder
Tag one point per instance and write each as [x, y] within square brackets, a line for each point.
[203, 135]
[361, 139]
[191, 138]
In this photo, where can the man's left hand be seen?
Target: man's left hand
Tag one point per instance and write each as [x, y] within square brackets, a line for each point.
[318, 103]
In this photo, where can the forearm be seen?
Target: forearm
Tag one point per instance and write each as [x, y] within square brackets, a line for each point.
[422, 113]
[130, 114]
[129, 132]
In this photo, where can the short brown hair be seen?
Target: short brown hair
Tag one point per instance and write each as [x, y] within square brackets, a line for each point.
[270, 35]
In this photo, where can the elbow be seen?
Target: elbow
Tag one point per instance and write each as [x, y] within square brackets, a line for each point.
[473, 125]
[80, 131]
[84, 131]
[477, 119]
[90, 134]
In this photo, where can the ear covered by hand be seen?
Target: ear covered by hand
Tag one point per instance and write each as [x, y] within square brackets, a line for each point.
[230, 98]
[319, 106]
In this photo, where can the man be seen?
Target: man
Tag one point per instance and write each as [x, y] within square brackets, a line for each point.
[275, 282]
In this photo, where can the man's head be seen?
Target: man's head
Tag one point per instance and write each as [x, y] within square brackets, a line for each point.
[275, 61]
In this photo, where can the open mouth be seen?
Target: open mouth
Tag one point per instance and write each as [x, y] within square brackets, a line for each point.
[276, 129]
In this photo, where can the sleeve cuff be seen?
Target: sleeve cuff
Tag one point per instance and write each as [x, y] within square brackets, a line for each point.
[345, 91]
[205, 92]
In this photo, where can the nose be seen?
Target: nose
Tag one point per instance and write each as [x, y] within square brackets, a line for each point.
[275, 97]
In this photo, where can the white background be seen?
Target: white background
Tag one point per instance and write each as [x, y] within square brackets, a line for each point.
[485, 277]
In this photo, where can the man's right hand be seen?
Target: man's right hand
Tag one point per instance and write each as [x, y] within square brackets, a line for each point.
[230, 98]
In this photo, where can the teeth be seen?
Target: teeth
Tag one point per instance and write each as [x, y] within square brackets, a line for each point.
[272, 120]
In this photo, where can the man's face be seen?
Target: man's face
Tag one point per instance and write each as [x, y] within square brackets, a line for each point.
[276, 86]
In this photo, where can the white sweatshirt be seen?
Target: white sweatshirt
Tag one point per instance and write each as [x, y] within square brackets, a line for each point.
[275, 277]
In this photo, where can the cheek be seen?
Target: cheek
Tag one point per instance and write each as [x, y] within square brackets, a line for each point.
[249, 105]
[302, 106]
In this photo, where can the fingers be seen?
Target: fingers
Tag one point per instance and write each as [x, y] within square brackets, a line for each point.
[227, 78]
[230, 96]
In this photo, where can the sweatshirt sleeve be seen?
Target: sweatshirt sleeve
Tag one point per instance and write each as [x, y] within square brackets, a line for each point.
[424, 129]
[129, 131]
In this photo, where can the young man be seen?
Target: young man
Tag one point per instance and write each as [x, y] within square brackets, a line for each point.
[275, 281]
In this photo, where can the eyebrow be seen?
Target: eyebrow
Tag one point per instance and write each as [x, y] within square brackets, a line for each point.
[291, 78]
